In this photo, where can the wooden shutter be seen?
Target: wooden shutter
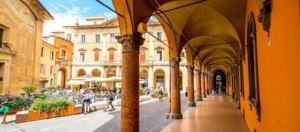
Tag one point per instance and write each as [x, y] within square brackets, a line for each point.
[142, 55]
[44, 69]
[96, 56]
[111, 55]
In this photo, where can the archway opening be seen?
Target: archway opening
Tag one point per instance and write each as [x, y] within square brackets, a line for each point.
[219, 82]
[159, 79]
[61, 78]
[81, 72]
[110, 73]
[144, 76]
[96, 73]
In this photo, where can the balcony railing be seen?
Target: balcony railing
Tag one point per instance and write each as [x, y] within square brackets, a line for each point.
[62, 61]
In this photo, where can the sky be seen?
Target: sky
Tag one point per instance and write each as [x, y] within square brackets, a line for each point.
[65, 12]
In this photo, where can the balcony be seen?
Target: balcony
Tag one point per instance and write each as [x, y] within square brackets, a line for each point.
[62, 62]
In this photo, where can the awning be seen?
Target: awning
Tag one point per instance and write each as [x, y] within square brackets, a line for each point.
[142, 81]
[75, 82]
[43, 79]
[96, 79]
[112, 79]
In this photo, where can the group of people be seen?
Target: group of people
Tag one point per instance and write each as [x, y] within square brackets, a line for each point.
[108, 94]
[152, 93]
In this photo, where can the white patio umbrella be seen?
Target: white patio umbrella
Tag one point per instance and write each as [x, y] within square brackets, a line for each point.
[96, 79]
[75, 82]
[112, 79]
[142, 81]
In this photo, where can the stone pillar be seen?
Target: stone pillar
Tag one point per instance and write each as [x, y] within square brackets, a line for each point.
[198, 82]
[191, 98]
[104, 47]
[204, 84]
[151, 48]
[130, 84]
[175, 89]
[150, 77]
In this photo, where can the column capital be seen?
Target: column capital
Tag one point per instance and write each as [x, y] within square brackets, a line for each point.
[131, 41]
[190, 68]
[198, 71]
[175, 61]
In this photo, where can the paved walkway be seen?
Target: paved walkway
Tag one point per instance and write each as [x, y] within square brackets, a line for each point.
[214, 114]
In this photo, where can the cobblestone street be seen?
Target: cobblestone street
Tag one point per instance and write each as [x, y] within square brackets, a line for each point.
[152, 119]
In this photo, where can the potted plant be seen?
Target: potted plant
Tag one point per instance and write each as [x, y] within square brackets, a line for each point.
[141, 91]
[28, 90]
[17, 104]
[43, 90]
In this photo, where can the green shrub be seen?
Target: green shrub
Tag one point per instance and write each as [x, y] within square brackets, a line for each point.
[2, 95]
[104, 87]
[50, 103]
[53, 88]
[28, 90]
[18, 102]
[141, 90]
[157, 91]
[41, 96]
[43, 90]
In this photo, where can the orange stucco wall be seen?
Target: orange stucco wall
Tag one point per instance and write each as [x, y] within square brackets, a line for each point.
[58, 42]
[278, 68]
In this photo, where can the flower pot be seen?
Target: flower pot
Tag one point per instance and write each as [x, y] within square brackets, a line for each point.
[14, 111]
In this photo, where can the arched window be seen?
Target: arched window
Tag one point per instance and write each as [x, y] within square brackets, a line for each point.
[252, 64]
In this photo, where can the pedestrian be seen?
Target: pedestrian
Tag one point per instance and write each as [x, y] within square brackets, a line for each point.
[4, 106]
[118, 93]
[166, 93]
[76, 88]
[160, 95]
[112, 99]
[186, 91]
[108, 101]
[86, 101]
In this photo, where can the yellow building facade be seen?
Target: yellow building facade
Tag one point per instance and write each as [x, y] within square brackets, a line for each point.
[97, 52]
[21, 29]
[47, 67]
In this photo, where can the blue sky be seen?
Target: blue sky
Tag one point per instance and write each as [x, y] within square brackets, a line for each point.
[65, 12]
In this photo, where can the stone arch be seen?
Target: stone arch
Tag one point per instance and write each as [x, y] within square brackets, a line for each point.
[81, 72]
[144, 75]
[62, 77]
[96, 73]
[159, 78]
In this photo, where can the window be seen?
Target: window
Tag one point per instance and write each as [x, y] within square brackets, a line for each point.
[82, 38]
[42, 52]
[51, 81]
[44, 70]
[52, 55]
[1, 36]
[82, 56]
[159, 55]
[142, 55]
[112, 38]
[96, 56]
[63, 54]
[69, 37]
[52, 70]
[111, 56]
[41, 68]
[159, 35]
[144, 35]
[97, 38]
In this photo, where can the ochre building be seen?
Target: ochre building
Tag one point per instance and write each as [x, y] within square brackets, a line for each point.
[21, 29]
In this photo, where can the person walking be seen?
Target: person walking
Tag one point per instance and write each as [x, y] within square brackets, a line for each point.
[4, 106]
[86, 101]
[160, 95]
[186, 91]
[109, 98]
[112, 99]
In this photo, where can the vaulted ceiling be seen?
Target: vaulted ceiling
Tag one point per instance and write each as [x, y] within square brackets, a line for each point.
[214, 28]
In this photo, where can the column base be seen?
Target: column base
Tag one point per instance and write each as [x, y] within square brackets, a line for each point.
[199, 99]
[204, 96]
[191, 104]
[176, 116]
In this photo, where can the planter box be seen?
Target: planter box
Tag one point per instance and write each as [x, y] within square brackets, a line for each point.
[157, 96]
[14, 111]
[142, 94]
[39, 115]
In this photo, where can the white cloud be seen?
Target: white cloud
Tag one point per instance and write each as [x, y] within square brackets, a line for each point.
[110, 15]
[64, 18]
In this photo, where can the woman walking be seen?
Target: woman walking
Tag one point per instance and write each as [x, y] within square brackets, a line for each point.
[4, 106]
